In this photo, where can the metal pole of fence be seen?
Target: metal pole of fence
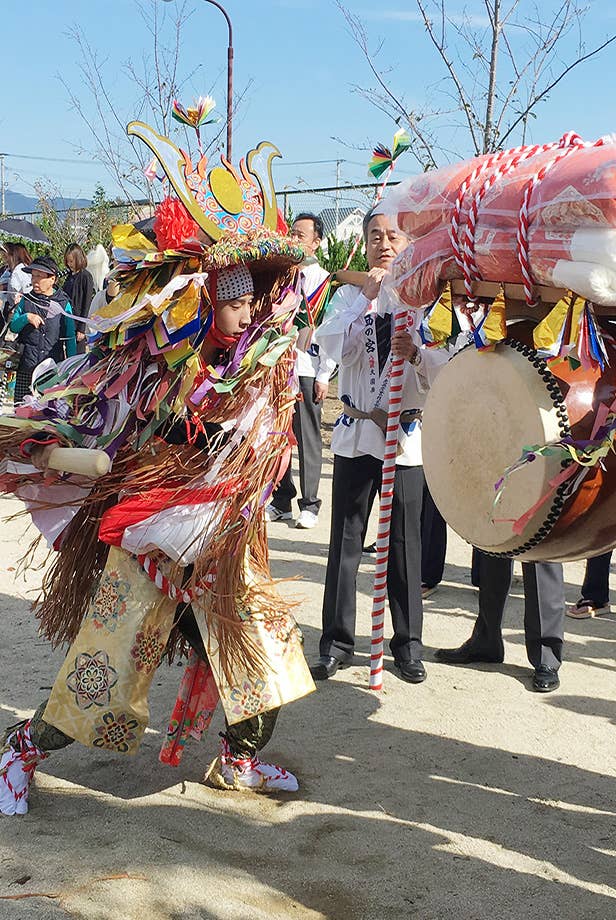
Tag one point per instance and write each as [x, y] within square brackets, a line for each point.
[338, 162]
[2, 186]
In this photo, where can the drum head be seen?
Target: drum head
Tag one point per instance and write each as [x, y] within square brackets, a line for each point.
[482, 410]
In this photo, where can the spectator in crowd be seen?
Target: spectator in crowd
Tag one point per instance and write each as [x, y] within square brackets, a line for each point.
[314, 371]
[98, 265]
[17, 259]
[361, 342]
[544, 618]
[79, 289]
[595, 599]
[5, 274]
[42, 329]
[110, 289]
[433, 544]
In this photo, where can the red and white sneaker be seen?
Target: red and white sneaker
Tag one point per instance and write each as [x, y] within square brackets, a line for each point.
[248, 774]
[16, 771]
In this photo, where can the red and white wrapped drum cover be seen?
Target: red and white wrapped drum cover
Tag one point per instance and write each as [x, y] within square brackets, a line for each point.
[570, 221]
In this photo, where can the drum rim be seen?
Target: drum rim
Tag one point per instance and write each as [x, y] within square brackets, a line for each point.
[560, 498]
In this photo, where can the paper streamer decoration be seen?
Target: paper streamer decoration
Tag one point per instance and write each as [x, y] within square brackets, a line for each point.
[558, 332]
[439, 321]
[385, 506]
[585, 455]
[316, 303]
[571, 328]
[493, 327]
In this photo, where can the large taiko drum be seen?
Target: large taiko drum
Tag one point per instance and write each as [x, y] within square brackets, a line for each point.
[482, 410]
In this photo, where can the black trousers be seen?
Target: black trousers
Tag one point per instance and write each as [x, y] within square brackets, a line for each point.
[307, 431]
[433, 541]
[596, 585]
[355, 484]
[544, 607]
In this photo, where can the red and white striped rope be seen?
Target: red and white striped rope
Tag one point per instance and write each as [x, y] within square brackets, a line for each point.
[568, 143]
[496, 166]
[507, 165]
[396, 379]
[489, 163]
[166, 587]
[454, 233]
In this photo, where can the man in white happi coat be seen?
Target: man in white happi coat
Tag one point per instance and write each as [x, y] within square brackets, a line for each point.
[356, 336]
[313, 372]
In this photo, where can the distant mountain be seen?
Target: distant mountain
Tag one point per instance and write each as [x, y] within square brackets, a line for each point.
[16, 203]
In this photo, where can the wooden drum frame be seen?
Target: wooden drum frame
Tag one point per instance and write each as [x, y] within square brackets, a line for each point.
[567, 526]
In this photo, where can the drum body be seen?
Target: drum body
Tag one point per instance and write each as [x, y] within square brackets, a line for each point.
[482, 411]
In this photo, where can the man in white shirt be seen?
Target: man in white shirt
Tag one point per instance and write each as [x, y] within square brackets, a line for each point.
[313, 371]
[360, 341]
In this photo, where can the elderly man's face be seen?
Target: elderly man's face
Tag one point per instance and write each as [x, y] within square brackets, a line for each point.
[383, 242]
[42, 283]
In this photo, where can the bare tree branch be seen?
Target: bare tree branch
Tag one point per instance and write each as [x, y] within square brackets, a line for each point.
[495, 23]
[360, 37]
[498, 70]
[155, 78]
[548, 89]
[440, 47]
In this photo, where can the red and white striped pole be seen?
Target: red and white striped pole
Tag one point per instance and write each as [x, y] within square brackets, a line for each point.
[387, 493]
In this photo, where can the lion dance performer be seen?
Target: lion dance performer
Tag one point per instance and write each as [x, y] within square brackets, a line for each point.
[186, 395]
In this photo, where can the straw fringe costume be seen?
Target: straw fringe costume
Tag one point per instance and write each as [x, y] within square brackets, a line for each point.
[168, 550]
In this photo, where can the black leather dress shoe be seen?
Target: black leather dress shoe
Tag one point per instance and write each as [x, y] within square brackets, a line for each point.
[412, 670]
[545, 679]
[326, 666]
[468, 652]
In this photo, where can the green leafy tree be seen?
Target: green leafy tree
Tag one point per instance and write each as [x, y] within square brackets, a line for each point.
[62, 227]
[100, 219]
[338, 252]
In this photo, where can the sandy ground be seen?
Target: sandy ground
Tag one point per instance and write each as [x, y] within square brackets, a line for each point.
[467, 797]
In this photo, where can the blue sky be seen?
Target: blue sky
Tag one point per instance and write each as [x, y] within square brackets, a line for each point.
[300, 60]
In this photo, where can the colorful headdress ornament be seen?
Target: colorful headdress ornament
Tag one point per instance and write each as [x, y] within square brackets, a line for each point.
[225, 199]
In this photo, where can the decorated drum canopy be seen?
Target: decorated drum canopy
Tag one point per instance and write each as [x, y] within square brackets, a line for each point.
[483, 411]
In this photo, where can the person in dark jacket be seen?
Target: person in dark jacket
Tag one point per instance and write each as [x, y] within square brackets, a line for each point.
[79, 288]
[42, 329]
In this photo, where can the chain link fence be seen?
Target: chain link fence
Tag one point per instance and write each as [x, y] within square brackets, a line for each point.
[77, 223]
[341, 209]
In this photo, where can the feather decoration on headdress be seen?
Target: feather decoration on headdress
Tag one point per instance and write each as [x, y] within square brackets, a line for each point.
[383, 158]
[382, 161]
[197, 115]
